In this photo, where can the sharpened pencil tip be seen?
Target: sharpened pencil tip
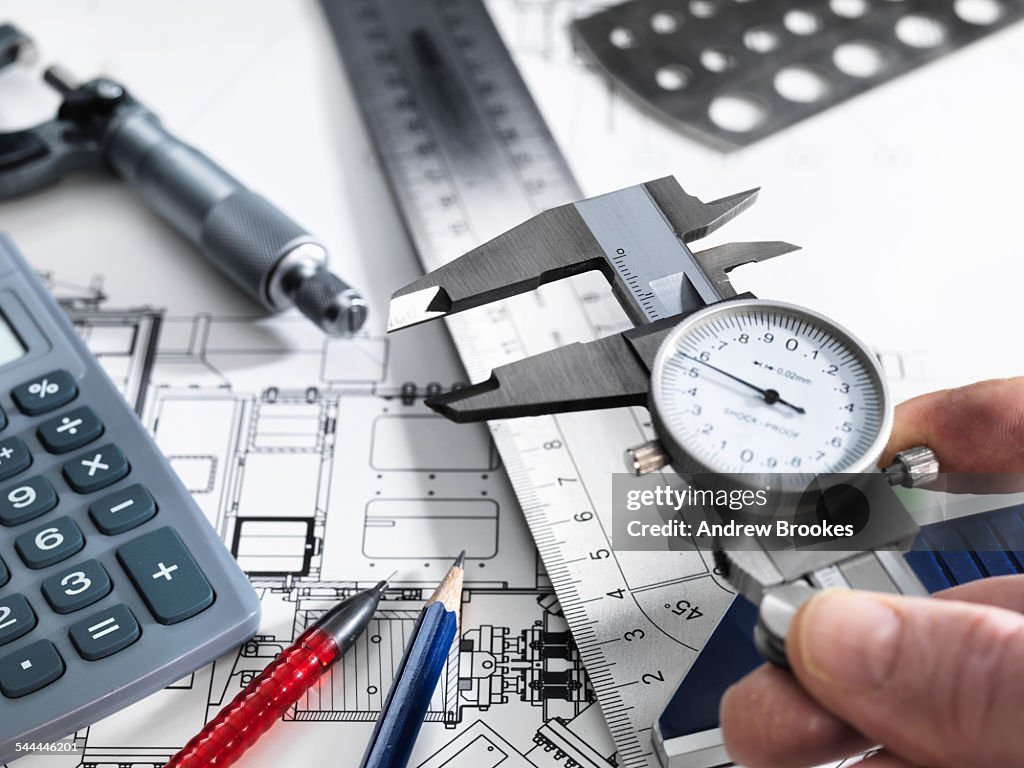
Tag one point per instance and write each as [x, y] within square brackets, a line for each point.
[460, 561]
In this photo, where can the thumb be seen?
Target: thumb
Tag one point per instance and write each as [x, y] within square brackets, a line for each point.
[938, 682]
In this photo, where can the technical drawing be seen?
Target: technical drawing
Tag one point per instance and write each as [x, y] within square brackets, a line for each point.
[321, 469]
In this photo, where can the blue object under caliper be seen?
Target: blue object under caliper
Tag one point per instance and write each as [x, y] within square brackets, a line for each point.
[945, 554]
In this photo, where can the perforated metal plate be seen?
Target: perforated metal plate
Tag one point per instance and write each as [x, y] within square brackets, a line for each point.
[731, 72]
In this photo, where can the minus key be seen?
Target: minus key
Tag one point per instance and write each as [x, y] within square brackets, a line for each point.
[122, 510]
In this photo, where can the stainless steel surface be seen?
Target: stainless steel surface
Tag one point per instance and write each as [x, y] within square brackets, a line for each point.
[298, 264]
[636, 237]
[701, 750]
[776, 62]
[776, 612]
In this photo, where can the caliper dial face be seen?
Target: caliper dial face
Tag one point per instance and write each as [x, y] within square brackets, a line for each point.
[755, 387]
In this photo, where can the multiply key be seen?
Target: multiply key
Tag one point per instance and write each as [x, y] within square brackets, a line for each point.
[96, 469]
[166, 575]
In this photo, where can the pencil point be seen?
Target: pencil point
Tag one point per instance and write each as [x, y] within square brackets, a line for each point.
[460, 561]
[389, 578]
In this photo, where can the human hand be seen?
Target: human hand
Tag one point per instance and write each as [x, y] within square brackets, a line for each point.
[938, 682]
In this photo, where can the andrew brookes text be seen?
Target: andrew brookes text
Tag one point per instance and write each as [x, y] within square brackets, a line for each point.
[733, 529]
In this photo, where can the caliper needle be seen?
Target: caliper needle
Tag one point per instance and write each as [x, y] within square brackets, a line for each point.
[770, 396]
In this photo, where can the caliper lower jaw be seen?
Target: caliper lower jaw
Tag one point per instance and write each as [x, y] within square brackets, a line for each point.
[638, 238]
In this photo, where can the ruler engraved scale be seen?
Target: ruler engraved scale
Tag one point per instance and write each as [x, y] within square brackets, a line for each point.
[468, 156]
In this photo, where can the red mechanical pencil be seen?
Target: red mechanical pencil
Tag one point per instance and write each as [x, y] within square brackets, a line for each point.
[253, 711]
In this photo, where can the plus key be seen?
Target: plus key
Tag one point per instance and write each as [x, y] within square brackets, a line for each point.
[166, 576]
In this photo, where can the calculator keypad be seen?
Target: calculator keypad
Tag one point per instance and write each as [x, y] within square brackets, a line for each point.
[30, 668]
[105, 633]
[16, 618]
[77, 587]
[166, 575]
[26, 500]
[5, 575]
[14, 457]
[122, 510]
[44, 393]
[70, 430]
[50, 543]
[96, 468]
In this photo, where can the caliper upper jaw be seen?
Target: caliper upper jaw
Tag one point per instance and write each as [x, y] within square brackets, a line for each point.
[636, 237]
[550, 246]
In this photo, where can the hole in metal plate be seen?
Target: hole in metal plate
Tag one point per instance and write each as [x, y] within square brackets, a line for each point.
[703, 9]
[860, 58]
[717, 58]
[979, 12]
[624, 38]
[673, 77]
[919, 30]
[666, 22]
[761, 39]
[802, 22]
[849, 9]
[738, 112]
[802, 84]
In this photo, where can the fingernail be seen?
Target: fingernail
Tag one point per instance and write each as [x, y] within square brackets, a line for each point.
[849, 639]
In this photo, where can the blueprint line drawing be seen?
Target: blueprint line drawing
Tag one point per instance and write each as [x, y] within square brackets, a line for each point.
[322, 474]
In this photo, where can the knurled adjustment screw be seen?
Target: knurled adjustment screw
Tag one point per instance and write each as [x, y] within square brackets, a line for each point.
[649, 457]
[913, 467]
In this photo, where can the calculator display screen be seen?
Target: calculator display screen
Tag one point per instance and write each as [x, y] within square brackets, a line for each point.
[11, 347]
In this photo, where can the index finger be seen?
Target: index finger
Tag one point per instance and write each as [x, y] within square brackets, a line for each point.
[974, 429]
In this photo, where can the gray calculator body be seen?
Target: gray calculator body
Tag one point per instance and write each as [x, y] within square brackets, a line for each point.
[169, 571]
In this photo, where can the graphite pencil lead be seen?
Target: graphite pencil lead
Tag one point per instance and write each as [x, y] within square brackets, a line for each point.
[460, 561]
[449, 591]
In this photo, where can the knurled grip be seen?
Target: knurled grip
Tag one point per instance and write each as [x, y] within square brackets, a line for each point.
[260, 705]
[245, 237]
[240, 232]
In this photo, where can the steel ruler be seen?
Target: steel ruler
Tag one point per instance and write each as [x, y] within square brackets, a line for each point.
[468, 155]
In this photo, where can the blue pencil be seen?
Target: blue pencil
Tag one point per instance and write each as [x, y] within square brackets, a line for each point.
[400, 720]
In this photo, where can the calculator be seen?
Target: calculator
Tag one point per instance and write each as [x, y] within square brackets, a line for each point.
[112, 582]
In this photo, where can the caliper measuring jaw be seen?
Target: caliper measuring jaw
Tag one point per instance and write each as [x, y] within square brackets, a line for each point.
[638, 238]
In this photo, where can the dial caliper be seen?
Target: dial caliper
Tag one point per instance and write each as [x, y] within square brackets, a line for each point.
[749, 391]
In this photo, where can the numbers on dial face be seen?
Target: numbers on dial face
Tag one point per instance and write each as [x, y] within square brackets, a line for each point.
[762, 388]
